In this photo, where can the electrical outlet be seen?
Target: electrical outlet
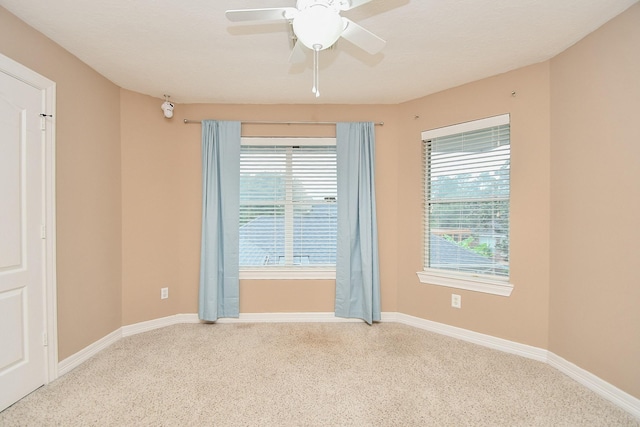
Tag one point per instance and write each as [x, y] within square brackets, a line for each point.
[164, 293]
[456, 301]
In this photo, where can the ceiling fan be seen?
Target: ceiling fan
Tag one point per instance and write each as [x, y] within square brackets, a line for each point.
[317, 24]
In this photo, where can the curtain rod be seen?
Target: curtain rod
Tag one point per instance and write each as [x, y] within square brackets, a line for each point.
[259, 122]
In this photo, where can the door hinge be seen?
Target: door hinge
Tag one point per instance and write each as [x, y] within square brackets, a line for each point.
[43, 120]
[43, 231]
[45, 339]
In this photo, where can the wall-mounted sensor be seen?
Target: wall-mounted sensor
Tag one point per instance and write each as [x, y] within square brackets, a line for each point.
[167, 107]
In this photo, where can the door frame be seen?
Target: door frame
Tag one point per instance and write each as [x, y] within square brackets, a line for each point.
[48, 89]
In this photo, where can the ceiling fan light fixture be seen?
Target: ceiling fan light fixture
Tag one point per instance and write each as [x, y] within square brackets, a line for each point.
[318, 25]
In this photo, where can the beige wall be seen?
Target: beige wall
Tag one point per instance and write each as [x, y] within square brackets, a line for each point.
[161, 202]
[88, 186]
[595, 201]
[523, 316]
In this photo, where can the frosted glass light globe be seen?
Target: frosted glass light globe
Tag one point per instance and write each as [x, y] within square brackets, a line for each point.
[318, 27]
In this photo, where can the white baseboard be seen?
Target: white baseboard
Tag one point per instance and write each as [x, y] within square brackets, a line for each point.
[596, 384]
[313, 317]
[138, 328]
[587, 379]
[88, 352]
[507, 346]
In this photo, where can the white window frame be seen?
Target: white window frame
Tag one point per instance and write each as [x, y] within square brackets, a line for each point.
[494, 285]
[290, 273]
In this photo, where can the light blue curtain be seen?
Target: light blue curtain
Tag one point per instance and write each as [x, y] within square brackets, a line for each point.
[357, 274]
[219, 281]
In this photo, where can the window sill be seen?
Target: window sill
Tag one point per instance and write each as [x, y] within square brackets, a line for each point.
[298, 274]
[470, 283]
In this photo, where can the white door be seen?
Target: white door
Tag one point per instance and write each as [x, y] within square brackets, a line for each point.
[22, 275]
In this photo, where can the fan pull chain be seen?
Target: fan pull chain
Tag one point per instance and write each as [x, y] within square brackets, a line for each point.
[316, 81]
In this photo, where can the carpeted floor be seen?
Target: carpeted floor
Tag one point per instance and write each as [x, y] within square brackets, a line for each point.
[328, 374]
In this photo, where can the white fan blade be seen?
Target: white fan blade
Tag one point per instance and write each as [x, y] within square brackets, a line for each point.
[361, 37]
[297, 53]
[271, 14]
[355, 3]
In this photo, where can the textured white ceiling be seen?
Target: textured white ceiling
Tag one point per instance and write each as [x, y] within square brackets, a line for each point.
[188, 49]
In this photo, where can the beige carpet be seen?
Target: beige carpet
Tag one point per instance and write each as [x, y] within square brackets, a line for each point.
[344, 374]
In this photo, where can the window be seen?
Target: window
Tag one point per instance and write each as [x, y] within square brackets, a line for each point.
[288, 208]
[466, 215]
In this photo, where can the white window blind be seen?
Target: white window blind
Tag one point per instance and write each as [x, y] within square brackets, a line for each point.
[466, 190]
[288, 205]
